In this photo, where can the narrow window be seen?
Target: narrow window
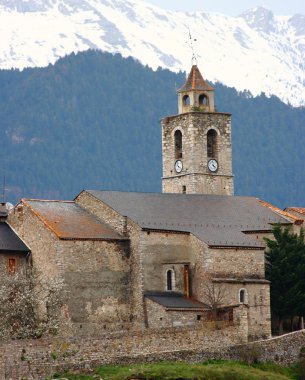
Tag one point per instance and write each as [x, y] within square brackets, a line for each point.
[242, 296]
[212, 143]
[183, 189]
[178, 144]
[169, 280]
[12, 266]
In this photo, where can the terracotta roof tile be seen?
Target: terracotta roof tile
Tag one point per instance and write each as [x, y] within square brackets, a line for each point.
[299, 210]
[286, 214]
[195, 81]
[68, 221]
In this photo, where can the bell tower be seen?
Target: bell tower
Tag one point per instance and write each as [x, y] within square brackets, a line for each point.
[196, 143]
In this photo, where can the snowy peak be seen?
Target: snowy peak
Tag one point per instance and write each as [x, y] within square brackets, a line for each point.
[260, 19]
[257, 51]
[297, 22]
[24, 6]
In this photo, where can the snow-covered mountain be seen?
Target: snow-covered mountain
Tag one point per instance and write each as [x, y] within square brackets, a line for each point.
[256, 51]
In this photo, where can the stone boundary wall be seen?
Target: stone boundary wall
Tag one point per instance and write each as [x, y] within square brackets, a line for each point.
[285, 349]
[37, 359]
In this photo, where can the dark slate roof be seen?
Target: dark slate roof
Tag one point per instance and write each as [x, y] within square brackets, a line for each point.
[195, 81]
[215, 219]
[68, 221]
[176, 301]
[10, 241]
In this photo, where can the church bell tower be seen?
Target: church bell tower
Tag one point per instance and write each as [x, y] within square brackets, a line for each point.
[196, 143]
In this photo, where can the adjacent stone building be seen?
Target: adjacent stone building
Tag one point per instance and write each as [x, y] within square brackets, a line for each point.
[91, 257]
[14, 253]
[136, 261]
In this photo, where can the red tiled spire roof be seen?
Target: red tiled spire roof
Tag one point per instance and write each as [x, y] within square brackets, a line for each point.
[195, 81]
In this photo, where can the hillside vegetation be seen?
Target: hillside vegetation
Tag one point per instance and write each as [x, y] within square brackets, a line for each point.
[92, 121]
[186, 371]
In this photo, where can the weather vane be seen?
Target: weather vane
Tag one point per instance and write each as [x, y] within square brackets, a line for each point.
[191, 43]
[3, 193]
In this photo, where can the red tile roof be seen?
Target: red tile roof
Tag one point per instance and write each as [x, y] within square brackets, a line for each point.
[68, 221]
[299, 210]
[286, 214]
[195, 81]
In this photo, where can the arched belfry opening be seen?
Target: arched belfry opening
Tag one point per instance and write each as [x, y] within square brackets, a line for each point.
[178, 144]
[212, 148]
[186, 100]
[203, 101]
[196, 95]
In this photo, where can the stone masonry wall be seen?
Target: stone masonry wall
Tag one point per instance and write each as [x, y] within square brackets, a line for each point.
[232, 267]
[163, 251]
[128, 228]
[195, 174]
[36, 359]
[97, 276]
[102, 211]
[231, 262]
[20, 261]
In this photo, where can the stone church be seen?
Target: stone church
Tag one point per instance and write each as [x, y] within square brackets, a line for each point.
[134, 261]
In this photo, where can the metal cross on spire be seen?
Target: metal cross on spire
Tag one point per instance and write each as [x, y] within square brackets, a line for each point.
[191, 44]
[3, 193]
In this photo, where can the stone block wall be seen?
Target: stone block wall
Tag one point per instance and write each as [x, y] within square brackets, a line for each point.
[195, 175]
[96, 207]
[233, 262]
[20, 263]
[160, 252]
[37, 359]
[97, 276]
[234, 269]
[40, 239]
[128, 228]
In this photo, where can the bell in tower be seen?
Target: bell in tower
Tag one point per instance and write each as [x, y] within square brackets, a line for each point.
[196, 143]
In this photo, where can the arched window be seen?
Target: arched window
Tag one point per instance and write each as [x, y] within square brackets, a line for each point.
[212, 143]
[203, 100]
[178, 144]
[186, 100]
[169, 280]
[243, 296]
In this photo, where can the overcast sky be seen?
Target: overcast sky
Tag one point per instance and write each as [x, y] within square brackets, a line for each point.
[233, 7]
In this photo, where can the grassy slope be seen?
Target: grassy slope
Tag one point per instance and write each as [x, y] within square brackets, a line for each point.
[179, 371]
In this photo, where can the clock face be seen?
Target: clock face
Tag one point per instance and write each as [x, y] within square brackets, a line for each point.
[178, 166]
[213, 165]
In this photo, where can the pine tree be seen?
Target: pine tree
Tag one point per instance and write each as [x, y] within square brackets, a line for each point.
[285, 268]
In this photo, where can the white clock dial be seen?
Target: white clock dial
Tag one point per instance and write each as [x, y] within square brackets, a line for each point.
[178, 166]
[213, 165]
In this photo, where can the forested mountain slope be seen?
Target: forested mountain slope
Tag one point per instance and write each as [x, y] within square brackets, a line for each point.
[92, 121]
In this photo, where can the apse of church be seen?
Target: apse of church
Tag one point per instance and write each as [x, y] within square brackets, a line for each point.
[196, 143]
